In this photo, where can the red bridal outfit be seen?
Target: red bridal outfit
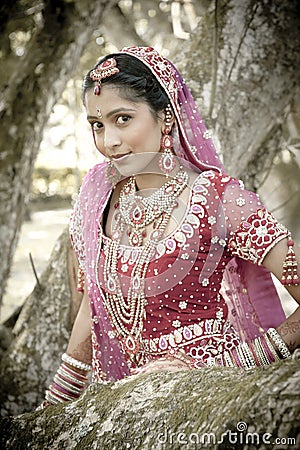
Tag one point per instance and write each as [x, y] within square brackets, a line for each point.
[203, 291]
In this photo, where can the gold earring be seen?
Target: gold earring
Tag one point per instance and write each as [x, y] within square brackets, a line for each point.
[167, 162]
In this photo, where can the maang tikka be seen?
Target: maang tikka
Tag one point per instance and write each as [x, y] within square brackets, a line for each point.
[167, 162]
[106, 69]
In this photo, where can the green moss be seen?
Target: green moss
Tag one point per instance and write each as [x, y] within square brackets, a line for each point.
[155, 411]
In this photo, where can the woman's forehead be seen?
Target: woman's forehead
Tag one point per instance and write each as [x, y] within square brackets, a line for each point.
[111, 94]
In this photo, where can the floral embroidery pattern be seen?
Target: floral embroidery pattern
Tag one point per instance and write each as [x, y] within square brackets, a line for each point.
[183, 304]
[256, 236]
[211, 220]
[204, 341]
[240, 201]
[76, 234]
[207, 134]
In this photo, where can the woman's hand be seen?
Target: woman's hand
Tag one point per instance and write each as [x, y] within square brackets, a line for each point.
[165, 363]
[289, 330]
[44, 405]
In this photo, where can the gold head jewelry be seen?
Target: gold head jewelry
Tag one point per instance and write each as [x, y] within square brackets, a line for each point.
[106, 69]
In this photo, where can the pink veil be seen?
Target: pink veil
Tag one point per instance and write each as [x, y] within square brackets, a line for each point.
[248, 289]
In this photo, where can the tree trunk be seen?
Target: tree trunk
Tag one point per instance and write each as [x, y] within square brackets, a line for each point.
[243, 63]
[59, 35]
[41, 333]
[213, 408]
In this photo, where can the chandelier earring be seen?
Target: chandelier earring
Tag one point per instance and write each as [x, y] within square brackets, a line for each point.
[112, 174]
[167, 162]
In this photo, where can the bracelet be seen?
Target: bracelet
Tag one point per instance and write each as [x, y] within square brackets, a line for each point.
[252, 348]
[58, 395]
[279, 343]
[72, 388]
[250, 361]
[67, 384]
[75, 362]
[269, 348]
[227, 359]
[260, 352]
[72, 375]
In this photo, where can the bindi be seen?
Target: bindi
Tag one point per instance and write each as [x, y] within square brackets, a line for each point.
[99, 113]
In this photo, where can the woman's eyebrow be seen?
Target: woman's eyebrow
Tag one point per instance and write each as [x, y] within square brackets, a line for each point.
[111, 113]
[117, 110]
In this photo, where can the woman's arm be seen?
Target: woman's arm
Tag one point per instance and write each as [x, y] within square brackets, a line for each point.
[79, 346]
[289, 330]
[71, 377]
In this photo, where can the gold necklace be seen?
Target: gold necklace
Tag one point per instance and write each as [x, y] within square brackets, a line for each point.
[137, 212]
[128, 313]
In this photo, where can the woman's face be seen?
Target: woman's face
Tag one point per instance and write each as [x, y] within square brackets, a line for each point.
[125, 132]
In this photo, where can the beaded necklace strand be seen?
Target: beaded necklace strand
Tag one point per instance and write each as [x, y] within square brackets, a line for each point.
[128, 314]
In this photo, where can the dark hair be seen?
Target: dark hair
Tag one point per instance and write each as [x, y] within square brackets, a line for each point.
[135, 81]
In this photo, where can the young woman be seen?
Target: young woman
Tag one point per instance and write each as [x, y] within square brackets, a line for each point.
[175, 255]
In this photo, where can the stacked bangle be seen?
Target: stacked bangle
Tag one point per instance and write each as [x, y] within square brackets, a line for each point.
[269, 347]
[68, 384]
[260, 352]
[279, 343]
[76, 363]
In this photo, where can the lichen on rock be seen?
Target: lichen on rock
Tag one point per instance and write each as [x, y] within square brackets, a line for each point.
[215, 408]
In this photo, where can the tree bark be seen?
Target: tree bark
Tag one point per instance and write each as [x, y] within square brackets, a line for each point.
[243, 63]
[41, 333]
[36, 81]
[213, 408]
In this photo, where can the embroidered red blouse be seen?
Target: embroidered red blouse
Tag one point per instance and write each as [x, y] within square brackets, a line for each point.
[185, 309]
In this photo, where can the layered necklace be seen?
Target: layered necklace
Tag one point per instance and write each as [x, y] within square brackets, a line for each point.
[135, 213]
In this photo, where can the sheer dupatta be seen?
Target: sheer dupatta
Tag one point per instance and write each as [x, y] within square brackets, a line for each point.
[249, 290]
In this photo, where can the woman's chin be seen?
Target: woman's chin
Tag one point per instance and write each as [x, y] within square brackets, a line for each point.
[138, 164]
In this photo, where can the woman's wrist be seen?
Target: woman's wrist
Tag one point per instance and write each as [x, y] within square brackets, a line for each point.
[279, 344]
[289, 330]
[76, 363]
[68, 383]
[260, 352]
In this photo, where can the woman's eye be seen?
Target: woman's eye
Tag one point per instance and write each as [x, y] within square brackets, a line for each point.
[121, 120]
[96, 126]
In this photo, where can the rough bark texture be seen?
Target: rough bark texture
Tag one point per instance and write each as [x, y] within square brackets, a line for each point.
[59, 35]
[40, 334]
[183, 410]
[246, 55]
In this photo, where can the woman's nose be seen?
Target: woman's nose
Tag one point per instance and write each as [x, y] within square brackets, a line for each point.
[111, 138]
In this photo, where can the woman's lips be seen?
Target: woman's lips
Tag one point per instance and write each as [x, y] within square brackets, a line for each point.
[120, 157]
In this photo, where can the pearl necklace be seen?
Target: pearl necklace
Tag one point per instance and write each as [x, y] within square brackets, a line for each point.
[128, 314]
[137, 212]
